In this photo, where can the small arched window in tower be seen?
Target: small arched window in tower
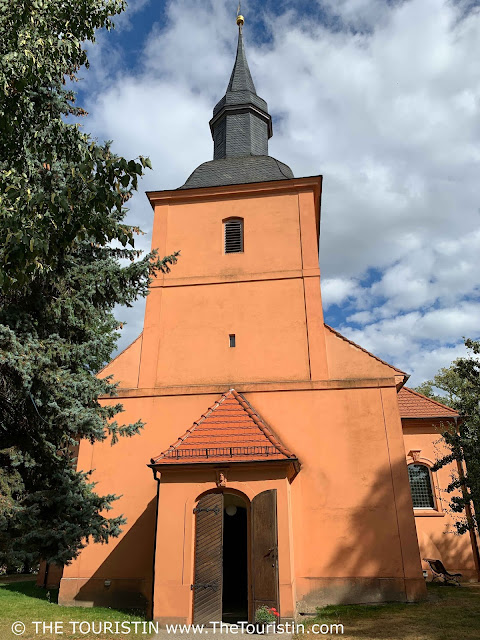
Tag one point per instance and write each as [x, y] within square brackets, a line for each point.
[233, 235]
[421, 486]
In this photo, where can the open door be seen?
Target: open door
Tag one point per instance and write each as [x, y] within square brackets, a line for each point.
[207, 588]
[265, 550]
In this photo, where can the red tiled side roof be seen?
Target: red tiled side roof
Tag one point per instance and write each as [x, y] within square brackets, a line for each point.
[229, 431]
[415, 405]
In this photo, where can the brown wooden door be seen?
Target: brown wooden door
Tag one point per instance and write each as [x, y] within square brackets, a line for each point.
[265, 550]
[207, 588]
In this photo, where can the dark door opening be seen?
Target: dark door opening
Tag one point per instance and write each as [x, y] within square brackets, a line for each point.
[235, 560]
[236, 556]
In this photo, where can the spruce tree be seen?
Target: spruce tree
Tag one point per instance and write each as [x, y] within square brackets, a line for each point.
[67, 258]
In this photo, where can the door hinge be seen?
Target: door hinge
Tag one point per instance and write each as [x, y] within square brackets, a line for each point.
[204, 585]
[215, 509]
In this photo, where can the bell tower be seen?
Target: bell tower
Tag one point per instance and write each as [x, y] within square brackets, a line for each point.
[243, 303]
[241, 409]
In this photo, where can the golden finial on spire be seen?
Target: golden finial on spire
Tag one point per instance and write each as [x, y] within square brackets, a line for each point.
[240, 18]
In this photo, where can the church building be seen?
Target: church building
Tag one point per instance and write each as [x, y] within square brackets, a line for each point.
[281, 464]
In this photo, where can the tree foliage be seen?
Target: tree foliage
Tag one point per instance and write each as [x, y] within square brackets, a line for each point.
[428, 387]
[67, 258]
[461, 384]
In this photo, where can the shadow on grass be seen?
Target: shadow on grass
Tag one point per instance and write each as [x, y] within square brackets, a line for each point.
[30, 590]
[448, 614]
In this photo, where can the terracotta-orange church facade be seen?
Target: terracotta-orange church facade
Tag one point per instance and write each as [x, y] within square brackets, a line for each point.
[274, 463]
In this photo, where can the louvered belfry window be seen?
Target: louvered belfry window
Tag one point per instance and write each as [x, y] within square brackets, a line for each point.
[234, 235]
[421, 486]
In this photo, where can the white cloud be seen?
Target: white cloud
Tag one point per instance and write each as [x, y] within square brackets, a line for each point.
[445, 272]
[361, 317]
[424, 363]
[387, 109]
[417, 342]
[359, 14]
[337, 290]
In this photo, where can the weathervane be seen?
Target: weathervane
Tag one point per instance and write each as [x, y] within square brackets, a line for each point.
[240, 18]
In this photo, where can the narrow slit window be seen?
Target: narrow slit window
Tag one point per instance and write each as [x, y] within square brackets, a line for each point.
[234, 235]
[232, 339]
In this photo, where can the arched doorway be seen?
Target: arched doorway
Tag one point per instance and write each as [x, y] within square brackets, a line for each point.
[236, 558]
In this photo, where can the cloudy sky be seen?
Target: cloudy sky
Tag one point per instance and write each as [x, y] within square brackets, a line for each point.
[381, 97]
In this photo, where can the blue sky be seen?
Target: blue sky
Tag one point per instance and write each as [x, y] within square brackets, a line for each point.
[380, 97]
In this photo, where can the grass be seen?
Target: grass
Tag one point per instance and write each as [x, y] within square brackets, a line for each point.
[25, 602]
[450, 613]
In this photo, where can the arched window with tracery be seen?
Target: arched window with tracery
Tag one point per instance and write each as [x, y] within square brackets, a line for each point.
[421, 486]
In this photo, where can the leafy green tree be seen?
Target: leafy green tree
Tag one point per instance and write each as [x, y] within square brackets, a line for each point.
[448, 381]
[461, 384]
[67, 258]
[428, 387]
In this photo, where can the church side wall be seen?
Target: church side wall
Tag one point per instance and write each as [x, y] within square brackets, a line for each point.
[435, 527]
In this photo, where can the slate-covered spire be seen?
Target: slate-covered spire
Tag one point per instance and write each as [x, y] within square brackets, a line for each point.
[241, 127]
[241, 124]
[241, 78]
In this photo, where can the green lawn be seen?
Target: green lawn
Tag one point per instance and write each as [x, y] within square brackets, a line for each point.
[24, 602]
[450, 613]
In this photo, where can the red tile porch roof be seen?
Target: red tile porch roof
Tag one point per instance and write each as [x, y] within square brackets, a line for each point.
[230, 431]
[415, 405]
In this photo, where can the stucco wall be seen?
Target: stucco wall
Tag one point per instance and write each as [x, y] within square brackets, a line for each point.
[346, 520]
[435, 527]
[346, 516]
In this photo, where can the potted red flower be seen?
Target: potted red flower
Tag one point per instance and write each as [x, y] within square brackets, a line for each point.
[266, 619]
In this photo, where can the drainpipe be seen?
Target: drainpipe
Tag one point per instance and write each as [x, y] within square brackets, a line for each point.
[156, 477]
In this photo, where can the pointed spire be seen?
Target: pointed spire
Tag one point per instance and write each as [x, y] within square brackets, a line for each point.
[241, 127]
[241, 124]
[241, 78]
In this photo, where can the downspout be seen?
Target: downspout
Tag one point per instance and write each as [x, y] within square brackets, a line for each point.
[156, 477]
[468, 513]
